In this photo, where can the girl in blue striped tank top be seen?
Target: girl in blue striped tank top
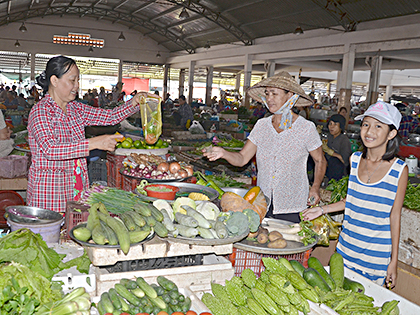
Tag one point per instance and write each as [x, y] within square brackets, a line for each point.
[369, 239]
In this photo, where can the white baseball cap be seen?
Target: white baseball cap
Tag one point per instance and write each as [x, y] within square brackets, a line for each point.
[384, 112]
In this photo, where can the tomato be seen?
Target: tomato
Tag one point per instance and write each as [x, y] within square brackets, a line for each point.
[190, 313]
[142, 314]
[206, 313]
[177, 313]
[162, 313]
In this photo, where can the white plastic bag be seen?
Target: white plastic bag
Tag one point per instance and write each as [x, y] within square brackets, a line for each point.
[196, 128]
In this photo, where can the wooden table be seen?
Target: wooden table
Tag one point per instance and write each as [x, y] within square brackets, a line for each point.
[20, 183]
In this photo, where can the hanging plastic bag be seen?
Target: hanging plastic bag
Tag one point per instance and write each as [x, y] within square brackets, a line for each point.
[196, 128]
[151, 118]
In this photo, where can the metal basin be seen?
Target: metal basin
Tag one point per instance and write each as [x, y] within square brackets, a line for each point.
[353, 135]
[34, 215]
[239, 191]
[414, 138]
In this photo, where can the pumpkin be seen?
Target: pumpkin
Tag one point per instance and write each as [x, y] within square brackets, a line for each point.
[233, 202]
[260, 203]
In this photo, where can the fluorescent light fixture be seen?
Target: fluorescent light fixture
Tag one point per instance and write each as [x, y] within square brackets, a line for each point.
[78, 40]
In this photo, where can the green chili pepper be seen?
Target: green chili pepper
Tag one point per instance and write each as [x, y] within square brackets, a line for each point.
[211, 184]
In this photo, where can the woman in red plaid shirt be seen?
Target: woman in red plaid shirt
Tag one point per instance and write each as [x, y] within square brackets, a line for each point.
[56, 126]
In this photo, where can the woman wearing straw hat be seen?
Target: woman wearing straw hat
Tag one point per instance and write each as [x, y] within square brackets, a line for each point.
[282, 143]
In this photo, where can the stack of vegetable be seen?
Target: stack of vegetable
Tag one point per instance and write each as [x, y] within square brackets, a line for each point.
[189, 218]
[137, 296]
[131, 227]
[285, 287]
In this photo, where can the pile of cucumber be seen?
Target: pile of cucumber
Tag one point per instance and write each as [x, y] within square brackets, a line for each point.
[131, 227]
[285, 287]
[137, 296]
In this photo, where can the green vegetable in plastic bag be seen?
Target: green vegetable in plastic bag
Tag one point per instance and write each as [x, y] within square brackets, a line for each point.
[151, 118]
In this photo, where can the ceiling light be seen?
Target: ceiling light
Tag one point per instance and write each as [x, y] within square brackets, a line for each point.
[298, 30]
[184, 14]
[90, 49]
[23, 28]
[17, 44]
[121, 37]
[158, 55]
[207, 45]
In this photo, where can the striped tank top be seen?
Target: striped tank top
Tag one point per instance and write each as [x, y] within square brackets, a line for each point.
[365, 241]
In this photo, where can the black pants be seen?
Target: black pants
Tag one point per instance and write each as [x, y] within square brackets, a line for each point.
[291, 217]
[335, 168]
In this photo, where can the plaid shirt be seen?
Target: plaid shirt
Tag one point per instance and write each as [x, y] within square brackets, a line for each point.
[408, 125]
[56, 141]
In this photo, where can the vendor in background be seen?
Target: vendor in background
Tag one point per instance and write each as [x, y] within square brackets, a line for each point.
[6, 144]
[56, 130]
[184, 115]
[282, 143]
[343, 112]
[369, 240]
[337, 148]
[409, 123]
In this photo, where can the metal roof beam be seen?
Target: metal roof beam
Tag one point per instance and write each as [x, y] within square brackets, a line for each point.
[165, 12]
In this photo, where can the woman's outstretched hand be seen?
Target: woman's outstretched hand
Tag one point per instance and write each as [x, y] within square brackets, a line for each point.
[104, 142]
[311, 213]
[214, 153]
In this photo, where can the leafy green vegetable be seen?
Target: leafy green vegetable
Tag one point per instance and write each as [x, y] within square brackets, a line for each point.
[338, 188]
[224, 180]
[29, 249]
[17, 279]
[412, 197]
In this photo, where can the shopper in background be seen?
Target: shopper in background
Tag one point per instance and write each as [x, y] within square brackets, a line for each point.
[281, 143]
[3, 94]
[184, 116]
[102, 99]
[409, 123]
[337, 148]
[343, 111]
[6, 144]
[56, 130]
[369, 240]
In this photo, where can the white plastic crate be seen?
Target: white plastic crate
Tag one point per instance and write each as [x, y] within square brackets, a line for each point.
[199, 277]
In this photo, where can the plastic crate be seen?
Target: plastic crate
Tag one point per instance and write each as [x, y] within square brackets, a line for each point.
[74, 217]
[97, 171]
[156, 263]
[242, 259]
[129, 184]
[13, 166]
[113, 165]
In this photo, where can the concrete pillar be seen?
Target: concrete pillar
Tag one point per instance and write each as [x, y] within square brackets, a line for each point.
[247, 78]
[345, 80]
[388, 93]
[120, 71]
[191, 81]
[209, 84]
[238, 81]
[165, 80]
[181, 82]
[33, 67]
[375, 73]
[270, 68]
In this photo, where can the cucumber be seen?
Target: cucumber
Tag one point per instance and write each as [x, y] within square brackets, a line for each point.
[158, 302]
[82, 234]
[202, 221]
[138, 292]
[130, 297]
[138, 236]
[186, 230]
[160, 229]
[128, 221]
[186, 305]
[166, 283]
[174, 294]
[109, 233]
[138, 219]
[120, 230]
[337, 269]
[106, 303]
[114, 297]
[150, 221]
[353, 285]
[185, 220]
[91, 220]
[124, 305]
[205, 233]
[98, 235]
[156, 213]
[129, 284]
[313, 262]
[297, 266]
[143, 209]
[314, 279]
[159, 290]
[148, 290]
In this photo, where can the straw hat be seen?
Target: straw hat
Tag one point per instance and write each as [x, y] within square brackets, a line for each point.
[282, 80]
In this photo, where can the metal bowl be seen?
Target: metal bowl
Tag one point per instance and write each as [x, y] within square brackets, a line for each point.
[239, 191]
[414, 138]
[353, 135]
[26, 214]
